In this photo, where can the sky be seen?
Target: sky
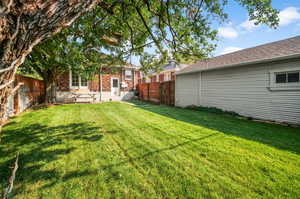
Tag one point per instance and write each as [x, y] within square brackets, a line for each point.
[239, 33]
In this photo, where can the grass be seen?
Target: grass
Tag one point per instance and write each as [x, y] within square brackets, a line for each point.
[118, 150]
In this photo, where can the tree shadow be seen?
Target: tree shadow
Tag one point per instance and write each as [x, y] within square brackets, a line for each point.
[40, 145]
[150, 153]
[275, 135]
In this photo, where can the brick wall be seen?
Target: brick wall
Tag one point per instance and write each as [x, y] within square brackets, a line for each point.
[63, 83]
[106, 81]
[107, 74]
[94, 83]
[153, 78]
[173, 76]
[161, 77]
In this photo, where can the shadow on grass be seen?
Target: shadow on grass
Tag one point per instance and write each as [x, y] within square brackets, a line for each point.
[278, 136]
[39, 145]
[169, 148]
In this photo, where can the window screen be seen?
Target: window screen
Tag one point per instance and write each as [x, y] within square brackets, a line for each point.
[287, 77]
[293, 77]
[281, 78]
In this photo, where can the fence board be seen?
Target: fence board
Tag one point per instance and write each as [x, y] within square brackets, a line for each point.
[31, 92]
[158, 92]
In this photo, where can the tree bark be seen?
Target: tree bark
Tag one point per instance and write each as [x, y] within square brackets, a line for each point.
[25, 23]
[48, 83]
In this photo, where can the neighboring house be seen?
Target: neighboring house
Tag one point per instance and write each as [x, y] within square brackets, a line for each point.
[167, 72]
[111, 84]
[261, 82]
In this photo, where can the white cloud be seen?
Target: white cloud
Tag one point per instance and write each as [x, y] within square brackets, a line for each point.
[249, 25]
[228, 32]
[288, 16]
[230, 49]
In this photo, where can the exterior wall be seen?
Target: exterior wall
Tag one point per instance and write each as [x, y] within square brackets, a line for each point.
[161, 77]
[106, 81]
[31, 92]
[244, 90]
[65, 94]
[187, 89]
[63, 83]
[153, 78]
[173, 76]
[94, 83]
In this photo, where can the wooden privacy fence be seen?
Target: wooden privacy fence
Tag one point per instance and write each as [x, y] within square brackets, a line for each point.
[31, 92]
[158, 92]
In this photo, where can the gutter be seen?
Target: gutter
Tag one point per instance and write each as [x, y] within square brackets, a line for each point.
[241, 64]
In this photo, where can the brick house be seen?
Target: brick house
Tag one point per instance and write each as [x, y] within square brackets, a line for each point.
[111, 84]
[167, 72]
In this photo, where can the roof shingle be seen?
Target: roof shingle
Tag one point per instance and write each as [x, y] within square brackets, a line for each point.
[268, 51]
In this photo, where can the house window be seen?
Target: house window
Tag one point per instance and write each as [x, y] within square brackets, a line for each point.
[285, 80]
[128, 74]
[83, 81]
[77, 81]
[287, 77]
[293, 77]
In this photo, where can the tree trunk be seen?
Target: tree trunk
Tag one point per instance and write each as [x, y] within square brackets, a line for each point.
[23, 24]
[48, 83]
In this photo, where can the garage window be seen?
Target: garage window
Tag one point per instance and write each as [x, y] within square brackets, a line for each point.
[287, 77]
[285, 80]
[293, 77]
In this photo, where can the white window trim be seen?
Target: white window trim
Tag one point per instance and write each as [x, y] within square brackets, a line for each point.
[125, 74]
[283, 86]
[167, 76]
[79, 83]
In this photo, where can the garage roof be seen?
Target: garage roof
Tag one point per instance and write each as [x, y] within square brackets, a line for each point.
[278, 50]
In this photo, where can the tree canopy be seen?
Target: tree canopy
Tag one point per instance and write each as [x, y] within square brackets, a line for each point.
[181, 29]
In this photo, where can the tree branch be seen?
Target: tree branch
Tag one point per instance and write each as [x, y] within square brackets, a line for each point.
[11, 179]
[148, 29]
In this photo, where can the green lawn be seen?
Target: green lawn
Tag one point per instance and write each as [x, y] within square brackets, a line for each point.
[117, 150]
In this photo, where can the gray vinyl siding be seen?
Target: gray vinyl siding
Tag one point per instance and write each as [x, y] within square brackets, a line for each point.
[187, 85]
[245, 90]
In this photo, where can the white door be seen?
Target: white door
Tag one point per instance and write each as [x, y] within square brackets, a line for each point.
[115, 86]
